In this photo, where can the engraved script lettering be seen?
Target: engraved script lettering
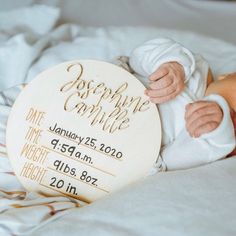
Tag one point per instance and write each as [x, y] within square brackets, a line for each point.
[80, 89]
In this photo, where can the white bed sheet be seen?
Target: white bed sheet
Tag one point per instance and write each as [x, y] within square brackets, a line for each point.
[198, 201]
[194, 202]
[213, 18]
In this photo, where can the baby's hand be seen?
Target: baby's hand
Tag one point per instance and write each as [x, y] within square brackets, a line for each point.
[202, 117]
[166, 82]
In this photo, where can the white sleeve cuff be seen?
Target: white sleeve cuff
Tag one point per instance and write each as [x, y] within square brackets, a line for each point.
[148, 57]
[224, 133]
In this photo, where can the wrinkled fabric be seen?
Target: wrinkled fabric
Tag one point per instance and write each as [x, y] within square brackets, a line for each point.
[172, 203]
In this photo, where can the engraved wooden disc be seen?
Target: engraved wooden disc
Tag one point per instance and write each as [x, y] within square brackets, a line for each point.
[83, 129]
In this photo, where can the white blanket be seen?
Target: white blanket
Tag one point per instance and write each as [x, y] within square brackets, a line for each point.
[194, 202]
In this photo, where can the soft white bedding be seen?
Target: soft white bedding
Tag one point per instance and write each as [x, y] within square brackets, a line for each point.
[197, 201]
[213, 18]
[193, 202]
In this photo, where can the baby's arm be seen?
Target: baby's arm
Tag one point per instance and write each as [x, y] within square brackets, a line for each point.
[212, 143]
[167, 64]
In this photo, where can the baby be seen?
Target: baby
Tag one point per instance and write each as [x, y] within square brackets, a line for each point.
[197, 120]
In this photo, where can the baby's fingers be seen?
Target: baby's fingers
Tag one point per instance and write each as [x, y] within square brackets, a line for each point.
[206, 110]
[199, 108]
[162, 83]
[203, 127]
[202, 117]
[159, 73]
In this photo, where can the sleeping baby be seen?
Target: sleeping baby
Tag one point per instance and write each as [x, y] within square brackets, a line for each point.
[197, 120]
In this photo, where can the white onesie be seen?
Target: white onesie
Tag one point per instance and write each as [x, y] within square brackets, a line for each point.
[179, 150]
